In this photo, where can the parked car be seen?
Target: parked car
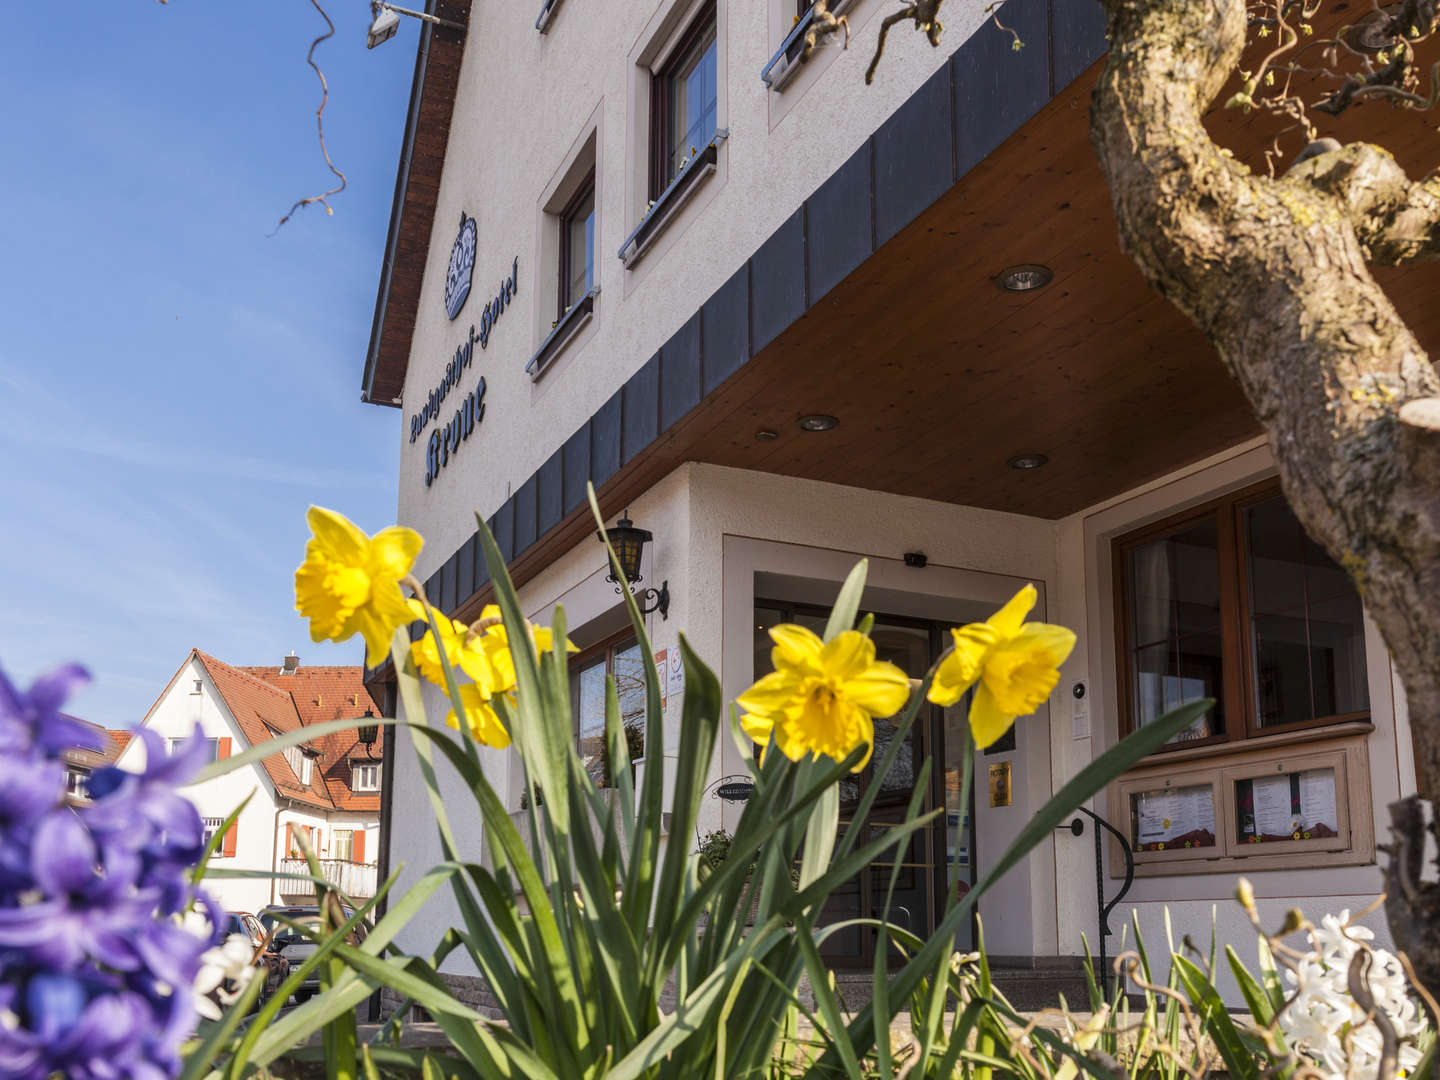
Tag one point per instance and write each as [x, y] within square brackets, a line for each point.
[293, 946]
[276, 967]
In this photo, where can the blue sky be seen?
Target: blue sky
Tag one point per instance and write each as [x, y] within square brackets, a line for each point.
[176, 387]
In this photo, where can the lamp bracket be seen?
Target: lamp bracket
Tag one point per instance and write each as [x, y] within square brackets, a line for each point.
[649, 599]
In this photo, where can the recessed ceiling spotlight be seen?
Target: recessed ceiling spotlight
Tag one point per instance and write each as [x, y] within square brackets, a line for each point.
[766, 435]
[818, 422]
[1025, 277]
[1028, 461]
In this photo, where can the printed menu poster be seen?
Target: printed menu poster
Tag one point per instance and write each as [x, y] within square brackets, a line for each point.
[1274, 814]
[1157, 812]
[1317, 800]
[1199, 811]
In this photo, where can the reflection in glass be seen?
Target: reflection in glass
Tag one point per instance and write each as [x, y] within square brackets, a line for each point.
[591, 721]
[1286, 808]
[1171, 674]
[1173, 819]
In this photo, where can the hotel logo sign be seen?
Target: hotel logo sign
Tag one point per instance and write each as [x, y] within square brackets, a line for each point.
[462, 267]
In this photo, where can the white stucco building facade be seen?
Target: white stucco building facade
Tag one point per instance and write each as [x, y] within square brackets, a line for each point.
[812, 333]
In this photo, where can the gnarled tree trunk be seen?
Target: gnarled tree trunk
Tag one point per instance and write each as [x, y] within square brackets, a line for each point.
[1274, 271]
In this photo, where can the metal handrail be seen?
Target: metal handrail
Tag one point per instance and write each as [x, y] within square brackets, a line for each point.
[795, 33]
[1076, 826]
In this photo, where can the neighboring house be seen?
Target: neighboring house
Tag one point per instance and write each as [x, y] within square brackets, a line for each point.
[327, 788]
[80, 763]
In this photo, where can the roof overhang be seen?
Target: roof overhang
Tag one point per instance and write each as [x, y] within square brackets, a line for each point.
[417, 188]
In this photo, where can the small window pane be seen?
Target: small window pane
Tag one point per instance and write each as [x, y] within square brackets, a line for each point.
[692, 104]
[1276, 553]
[580, 250]
[1168, 676]
[1282, 670]
[1337, 656]
[629, 673]
[591, 721]
[342, 845]
[1175, 585]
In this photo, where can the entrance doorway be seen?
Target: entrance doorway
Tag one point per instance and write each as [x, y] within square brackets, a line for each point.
[939, 857]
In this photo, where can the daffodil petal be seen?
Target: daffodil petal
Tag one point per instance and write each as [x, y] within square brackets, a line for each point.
[795, 646]
[847, 655]
[393, 551]
[759, 728]
[771, 695]
[1008, 620]
[881, 690]
[987, 720]
[1046, 642]
[338, 535]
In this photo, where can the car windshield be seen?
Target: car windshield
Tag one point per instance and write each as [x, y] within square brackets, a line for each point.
[309, 920]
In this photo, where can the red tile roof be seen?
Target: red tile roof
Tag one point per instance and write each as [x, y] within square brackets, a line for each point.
[265, 703]
[119, 739]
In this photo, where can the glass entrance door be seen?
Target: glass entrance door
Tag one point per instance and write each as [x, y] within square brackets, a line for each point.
[937, 858]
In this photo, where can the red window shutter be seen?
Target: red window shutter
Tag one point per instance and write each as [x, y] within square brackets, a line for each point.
[222, 750]
[232, 835]
[318, 836]
[289, 841]
[357, 846]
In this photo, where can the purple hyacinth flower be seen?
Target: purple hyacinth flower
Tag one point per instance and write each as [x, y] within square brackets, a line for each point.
[141, 812]
[33, 720]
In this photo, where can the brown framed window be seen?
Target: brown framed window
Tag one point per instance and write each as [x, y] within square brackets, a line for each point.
[618, 657]
[684, 101]
[577, 246]
[1231, 600]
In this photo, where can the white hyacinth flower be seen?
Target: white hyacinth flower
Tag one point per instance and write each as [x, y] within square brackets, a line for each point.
[1324, 1014]
[227, 963]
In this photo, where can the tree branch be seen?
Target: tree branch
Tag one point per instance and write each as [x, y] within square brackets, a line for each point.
[1396, 219]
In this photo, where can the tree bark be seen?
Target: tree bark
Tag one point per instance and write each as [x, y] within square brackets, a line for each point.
[1274, 271]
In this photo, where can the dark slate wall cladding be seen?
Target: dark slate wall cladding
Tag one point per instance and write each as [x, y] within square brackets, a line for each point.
[777, 282]
[640, 412]
[605, 441]
[996, 88]
[725, 331]
[1077, 36]
[525, 514]
[958, 117]
[680, 373]
[552, 494]
[503, 526]
[465, 568]
[914, 165]
[575, 467]
[837, 225]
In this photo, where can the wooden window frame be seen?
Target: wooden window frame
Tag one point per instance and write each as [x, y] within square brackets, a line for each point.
[705, 22]
[1354, 846]
[1240, 712]
[586, 188]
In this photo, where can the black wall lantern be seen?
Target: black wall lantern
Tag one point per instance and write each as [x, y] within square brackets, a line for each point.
[629, 544]
[369, 732]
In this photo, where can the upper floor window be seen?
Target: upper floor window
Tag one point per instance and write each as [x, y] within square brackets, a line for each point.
[685, 101]
[212, 826]
[365, 776]
[212, 747]
[1233, 601]
[76, 779]
[577, 246]
[622, 659]
[307, 771]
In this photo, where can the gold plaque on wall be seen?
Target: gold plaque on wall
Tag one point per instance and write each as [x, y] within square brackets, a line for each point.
[1000, 783]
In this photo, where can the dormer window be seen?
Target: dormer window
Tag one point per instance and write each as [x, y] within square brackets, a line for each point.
[307, 771]
[364, 776]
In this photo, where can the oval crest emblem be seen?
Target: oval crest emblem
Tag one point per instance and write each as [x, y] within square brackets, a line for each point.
[462, 266]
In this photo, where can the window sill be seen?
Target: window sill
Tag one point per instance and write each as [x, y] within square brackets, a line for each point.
[547, 13]
[786, 62]
[564, 331]
[1283, 738]
[672, 200]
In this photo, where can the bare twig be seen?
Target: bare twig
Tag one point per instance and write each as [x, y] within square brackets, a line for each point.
[324, 196]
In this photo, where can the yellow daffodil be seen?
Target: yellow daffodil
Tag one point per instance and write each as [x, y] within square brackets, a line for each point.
[350, 582]
[1016, 663]
[462, 649]
[495, 642]
[822, 696]
[480, 717]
